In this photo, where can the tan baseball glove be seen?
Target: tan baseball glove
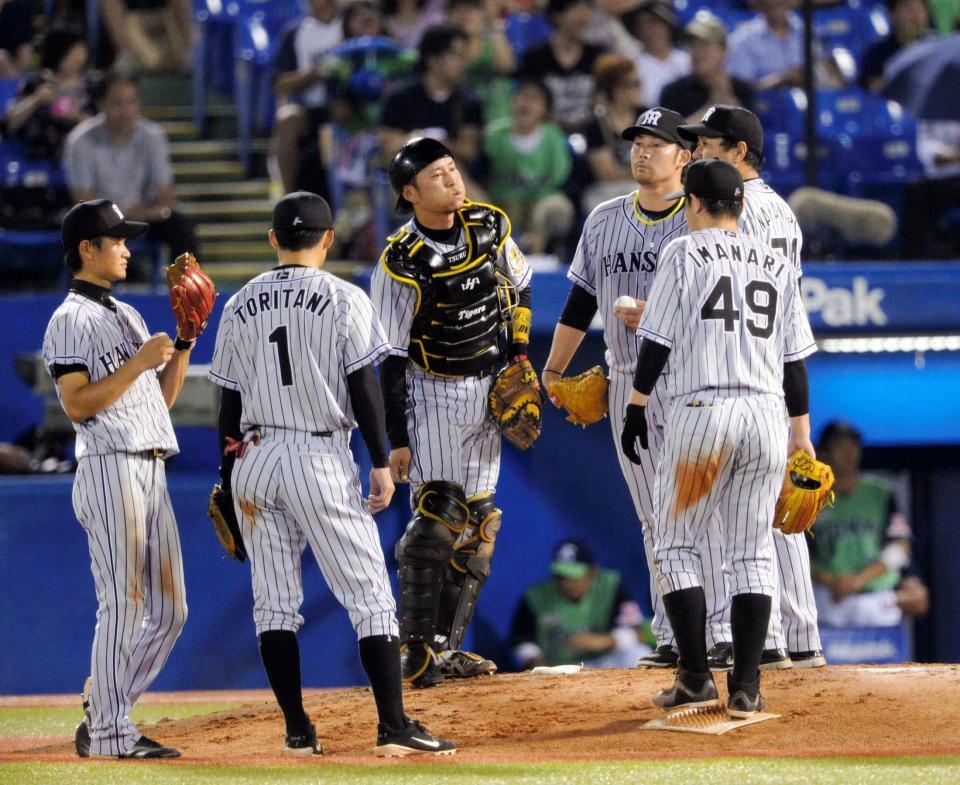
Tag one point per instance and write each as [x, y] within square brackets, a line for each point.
[806, 491]
[225, 524]
[515, 404]
[191, 296]
[584, 396]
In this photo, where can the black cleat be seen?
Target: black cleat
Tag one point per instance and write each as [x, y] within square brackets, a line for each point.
[775, 660]
[808, 659]
[414, 739]
[304, 743]
[418, 666]
[460, 664]
[689, 691]
[720, 657]
[661, 657]
[744, 700]
[148, 748]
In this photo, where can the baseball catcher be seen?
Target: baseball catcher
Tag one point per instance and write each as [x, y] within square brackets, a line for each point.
[583, 396]
[807, 489]
[191, 296]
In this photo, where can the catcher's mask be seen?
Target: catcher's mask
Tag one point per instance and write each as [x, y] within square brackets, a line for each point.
[410, 159]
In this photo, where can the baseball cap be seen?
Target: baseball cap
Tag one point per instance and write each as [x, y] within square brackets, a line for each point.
[660, 122]
[731, 122]
[410, 159]
[660, 9]
[96, 218]
[711, 178]
[706, 27]
[571, 559]
[302, 211]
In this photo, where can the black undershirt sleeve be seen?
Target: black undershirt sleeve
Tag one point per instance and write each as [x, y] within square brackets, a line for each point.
[393, 383]
[795, 389]
[579, 310]
[231, 407]
[63, 370]
[368, 409]
[651, 359]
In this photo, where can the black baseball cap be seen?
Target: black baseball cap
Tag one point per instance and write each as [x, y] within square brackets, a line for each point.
[410, 159]
[711, 178]
[660, 122]
[96, 218]
[730, 122]
[302, 211]
[571, 559]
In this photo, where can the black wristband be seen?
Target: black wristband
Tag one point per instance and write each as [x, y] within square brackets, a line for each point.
[180, 345]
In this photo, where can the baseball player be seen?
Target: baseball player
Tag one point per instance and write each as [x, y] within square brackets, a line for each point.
[618, 256]
[725, 311]
[116, 383]
[295, 357]
[449, 284]
[734, 134]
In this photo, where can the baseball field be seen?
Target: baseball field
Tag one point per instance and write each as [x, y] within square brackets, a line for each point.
[851, 724]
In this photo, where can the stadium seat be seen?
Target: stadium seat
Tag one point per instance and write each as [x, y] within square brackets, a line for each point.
[8, 91]
[212, 52]
[785, 165]
[852, 26]
[526, 30]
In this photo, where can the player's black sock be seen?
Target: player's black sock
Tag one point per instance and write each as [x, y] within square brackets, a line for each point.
[687, 610]
[380, 656]
[280, 653]
[749, 618]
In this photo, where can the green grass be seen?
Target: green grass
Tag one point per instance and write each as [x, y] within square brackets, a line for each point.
[46, 720]
[767, 771]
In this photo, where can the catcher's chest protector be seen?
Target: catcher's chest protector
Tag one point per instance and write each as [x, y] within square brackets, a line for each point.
[458, 323]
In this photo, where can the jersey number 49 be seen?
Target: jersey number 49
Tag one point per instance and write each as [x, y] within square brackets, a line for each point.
[759, 297]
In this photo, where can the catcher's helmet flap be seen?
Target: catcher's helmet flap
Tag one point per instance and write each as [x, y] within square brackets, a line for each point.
[410, 159]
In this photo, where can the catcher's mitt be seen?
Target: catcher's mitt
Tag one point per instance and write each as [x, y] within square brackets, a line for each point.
[584, 396]
[191, 296]
[225, 524]
[515, 404]
[806, 491]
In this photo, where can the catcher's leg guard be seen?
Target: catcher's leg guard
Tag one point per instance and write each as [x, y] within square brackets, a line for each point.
[465, 575]
[440, 516]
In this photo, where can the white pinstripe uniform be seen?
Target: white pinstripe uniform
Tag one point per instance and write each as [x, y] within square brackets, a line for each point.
[728, 308]
[619, 253]
[793, 621]
[451, 436]
[120, 498]
[287, 342]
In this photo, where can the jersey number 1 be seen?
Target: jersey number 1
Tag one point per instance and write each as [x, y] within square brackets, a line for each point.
[760, 299]
[279, 339]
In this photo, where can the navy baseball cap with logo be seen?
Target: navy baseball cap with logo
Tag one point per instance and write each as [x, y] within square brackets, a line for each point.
[660, 122]
[96, 218]
[302, 211]
[415, 155]
[727, 122]
[572, 559]
[711, 178]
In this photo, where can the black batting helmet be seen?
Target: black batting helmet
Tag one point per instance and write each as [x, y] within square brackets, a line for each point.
[410, 159]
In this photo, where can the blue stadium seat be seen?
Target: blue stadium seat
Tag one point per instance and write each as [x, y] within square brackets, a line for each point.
[526, 30]
[16, 170]
[852, 26]
[212, 52]
[8, 91]
[785, 165]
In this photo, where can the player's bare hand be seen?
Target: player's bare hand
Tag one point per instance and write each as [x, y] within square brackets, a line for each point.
[157, 351]
[547, 378]
[400, 464]
[381, 489]
[801, 441]
[845, 585]
[630, 316]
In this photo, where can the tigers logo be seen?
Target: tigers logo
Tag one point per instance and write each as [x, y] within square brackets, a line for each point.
[708, 114]
[117, 211]
[650, 117]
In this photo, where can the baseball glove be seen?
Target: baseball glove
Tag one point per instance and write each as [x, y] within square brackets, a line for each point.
[584, 396]
[806, 491]
[225, 524]
[515, 403]
[191, 296]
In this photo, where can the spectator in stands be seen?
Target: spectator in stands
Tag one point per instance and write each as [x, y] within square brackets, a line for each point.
[119, 155]
[438, 104]
[490, 54]
[709, 82]
[149, 35]
[53, 100]
[861, 546]
[660, 60]
[619, 101]
[565, 63]
[767, 51]
[529, 161]
[408, 20]
[946, 15]
[16, 37]
[581, 614]
[299, 81]
[909, 21]
[928, 200]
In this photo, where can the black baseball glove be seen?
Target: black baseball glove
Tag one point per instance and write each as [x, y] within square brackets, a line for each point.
[634, 427]
[225, 523]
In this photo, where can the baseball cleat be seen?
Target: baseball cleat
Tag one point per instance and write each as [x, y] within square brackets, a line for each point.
[148, 748]
[720, 657]
[460, 664]
[418, 666]
[775, 660]
[414, 739]
[808, 659]
[685, 694]
[81, 737]
[744, 700]
[302, 744]
[661, 657]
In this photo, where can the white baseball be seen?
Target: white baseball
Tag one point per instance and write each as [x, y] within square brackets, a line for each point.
[625, 301]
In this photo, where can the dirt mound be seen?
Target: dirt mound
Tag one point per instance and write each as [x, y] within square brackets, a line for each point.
[595, 715]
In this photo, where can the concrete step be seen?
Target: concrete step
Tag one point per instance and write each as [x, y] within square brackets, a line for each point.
[252, 250]
[237, 273]
[179, 130]
[206, 171]
[238, 210]
[212, 149]
[164, 112]
[241, 230]
[226, 189]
